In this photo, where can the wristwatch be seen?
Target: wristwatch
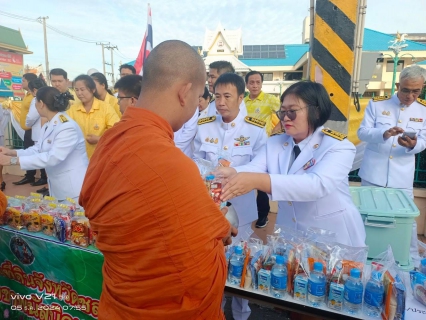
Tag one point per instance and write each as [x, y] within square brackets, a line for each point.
[13, 161]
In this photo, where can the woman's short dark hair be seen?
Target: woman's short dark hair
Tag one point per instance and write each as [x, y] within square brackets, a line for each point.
[36, 84]
[231, 78]
[206, 94]
[54, 99]
[316, 97]
[99, 77]
[88, 82]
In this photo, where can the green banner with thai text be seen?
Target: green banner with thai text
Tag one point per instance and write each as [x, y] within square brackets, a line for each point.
[41, 278]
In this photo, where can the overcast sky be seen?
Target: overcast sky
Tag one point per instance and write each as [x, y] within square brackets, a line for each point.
[123, 23]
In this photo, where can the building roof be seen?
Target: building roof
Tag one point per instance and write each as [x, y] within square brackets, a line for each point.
[422, 63]
[12, 40]
[293, 53]
[379, 41]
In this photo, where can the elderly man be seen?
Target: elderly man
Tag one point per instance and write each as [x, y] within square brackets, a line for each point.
[389, 155]
[161, 234]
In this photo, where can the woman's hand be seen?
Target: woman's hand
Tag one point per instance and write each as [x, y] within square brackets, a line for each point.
[92, 139]
[5, 151]
[225, 173]
[240, 184]
[4, 160]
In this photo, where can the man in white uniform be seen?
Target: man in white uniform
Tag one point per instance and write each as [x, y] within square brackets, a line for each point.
[237, 138]
[389, 156]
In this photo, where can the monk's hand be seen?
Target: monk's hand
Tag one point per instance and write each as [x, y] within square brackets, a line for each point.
[240, 184]
[4, 160]
[407, 142]
[392, 132]
[225, 173]
[92, 139]
[228, 239]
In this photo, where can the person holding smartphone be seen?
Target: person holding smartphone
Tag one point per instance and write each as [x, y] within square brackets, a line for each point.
[394, 129]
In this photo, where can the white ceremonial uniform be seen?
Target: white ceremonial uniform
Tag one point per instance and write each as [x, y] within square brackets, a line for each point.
[61, 150]
[385, 162]
[33, 121]
[313, 191]
[184, 137]
[240, 141]
[204, 113]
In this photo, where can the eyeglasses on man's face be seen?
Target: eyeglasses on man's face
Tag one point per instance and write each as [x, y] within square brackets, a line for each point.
[408, 91]
[120, 98]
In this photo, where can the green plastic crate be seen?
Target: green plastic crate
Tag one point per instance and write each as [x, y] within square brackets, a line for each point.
[388, 216]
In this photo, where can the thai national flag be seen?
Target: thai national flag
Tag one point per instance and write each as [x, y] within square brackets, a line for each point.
[146, 45]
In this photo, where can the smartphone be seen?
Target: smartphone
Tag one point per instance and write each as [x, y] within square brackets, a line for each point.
[410, 134]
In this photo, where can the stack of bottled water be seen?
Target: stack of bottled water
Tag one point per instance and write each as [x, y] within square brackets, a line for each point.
[353, 292]
[316, 285]
[279, 278]
[236, 265]
[374, 295]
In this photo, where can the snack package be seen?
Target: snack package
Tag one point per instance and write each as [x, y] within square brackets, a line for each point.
[212, 182]
[422, 253]
[71, 205]
[254, 263]
[223, 159]
[80, 230]
[342, 260]
[34, 195]
[12, 217]
[418, 285]
[47, 219]
[60, 228]
[31, 220]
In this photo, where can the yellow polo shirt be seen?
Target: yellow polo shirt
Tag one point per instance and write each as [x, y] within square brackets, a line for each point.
[25, 108]
[264, 107]
[99, 119]
[113, 102]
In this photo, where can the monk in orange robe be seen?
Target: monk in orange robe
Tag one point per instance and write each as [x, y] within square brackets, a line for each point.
[161, 234]
[3, 203]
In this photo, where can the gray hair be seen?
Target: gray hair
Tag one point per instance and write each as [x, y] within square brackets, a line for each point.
[413, 72]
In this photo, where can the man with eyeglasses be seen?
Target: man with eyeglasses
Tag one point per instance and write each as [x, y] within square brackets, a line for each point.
[395, 130]
[129, 89]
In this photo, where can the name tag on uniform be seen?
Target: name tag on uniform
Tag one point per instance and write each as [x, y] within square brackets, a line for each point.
[416, 119]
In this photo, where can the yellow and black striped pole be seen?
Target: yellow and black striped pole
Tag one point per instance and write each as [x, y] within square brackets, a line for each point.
[332, 54]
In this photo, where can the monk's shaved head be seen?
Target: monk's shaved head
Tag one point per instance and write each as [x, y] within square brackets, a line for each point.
[169, 62]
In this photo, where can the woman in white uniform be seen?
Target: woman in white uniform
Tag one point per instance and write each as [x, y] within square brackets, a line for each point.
[305, 169]
[61, 148]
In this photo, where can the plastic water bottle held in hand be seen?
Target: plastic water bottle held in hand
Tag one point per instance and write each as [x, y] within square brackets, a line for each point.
[236, 266]
[279, 278]
[316, 285]
[373, 296]
[353, 292]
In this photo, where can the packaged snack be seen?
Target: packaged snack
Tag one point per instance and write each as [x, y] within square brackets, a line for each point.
[80, 229]
[47, 219]
[418, 284]
[223, 159]
[31, 220]
[71, 204]
[34, 195]
[13, 217]
[300, 287]
[60, 229]
[264, 280]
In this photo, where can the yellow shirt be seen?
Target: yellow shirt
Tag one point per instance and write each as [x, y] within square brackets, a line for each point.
[25, 107]
[113, 102]
[100, 118]
[263, 107]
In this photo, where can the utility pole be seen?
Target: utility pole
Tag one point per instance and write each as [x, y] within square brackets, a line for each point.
[112, 62]
[103, 55]
[46, 57]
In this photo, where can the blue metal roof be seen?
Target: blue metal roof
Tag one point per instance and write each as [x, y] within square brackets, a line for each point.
[422, 63]
[293, 53]
[378, 41]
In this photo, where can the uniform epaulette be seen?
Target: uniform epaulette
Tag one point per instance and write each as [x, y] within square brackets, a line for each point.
[277, 133]
[421, 101]
[381, 98]
[63, 118]
[255, 121]
[334, 134]
[206, 120]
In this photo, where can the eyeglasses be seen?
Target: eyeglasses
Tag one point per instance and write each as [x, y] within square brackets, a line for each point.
[119, 98]
[291, 114]
[408, 91]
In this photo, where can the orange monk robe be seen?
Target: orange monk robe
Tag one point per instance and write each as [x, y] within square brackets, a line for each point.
[3, 203]
[159, 231]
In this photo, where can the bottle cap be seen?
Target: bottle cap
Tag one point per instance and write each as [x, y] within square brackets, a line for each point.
[210, 177]
[79, 213]
[355, 273]
[318, 266]
[279, 260]
[238, 250]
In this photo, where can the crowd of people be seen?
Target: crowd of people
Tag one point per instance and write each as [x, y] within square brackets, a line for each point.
[128, 159]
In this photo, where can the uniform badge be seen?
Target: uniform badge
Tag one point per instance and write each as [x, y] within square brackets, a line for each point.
[216, 141]
[416, 119]
[334, 134]
[211, 140]
[316, 146]
[96, 127]
[309, 164]
[62, 118]
[49, 141]
[386, 113]
[207, 139]
[285, 144]
[241, 141]
[257, 110]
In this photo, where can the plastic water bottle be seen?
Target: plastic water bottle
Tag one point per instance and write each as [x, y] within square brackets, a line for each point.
[373, 296]
[316, 285]
[279, 278]
[423, 266]
[353, 292]
[236, 266]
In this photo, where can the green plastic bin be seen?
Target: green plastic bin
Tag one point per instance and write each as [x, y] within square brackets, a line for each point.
[388, 216]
